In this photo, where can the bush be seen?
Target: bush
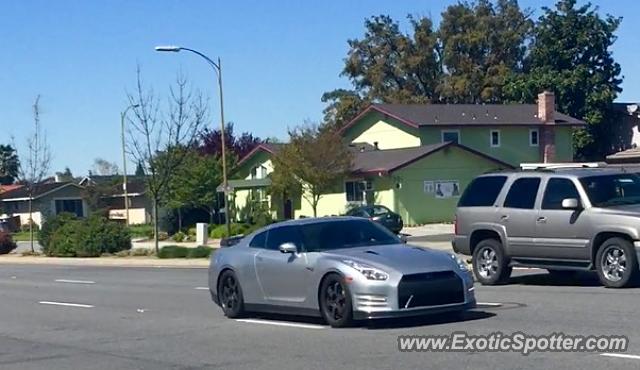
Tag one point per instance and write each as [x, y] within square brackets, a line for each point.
[50, 225]
[220, 231]
[200, 252]
[173, 251]
[142, 252]
[141, 231]
[6, 243]
[192, 232]
[87, 238]
[179, 237]
[26, 227]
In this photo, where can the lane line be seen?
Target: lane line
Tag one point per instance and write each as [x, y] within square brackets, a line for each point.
[66, 304]
[489, 304]
[74, 281]
[201, 288]
[621, 355]
[285, 324]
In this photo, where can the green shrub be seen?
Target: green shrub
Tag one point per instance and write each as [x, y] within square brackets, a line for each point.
[200, 252]
[51, 224]
[91, 237]
[179, 237]
[26, 227]
[6, 243]
[173, 251]
[64, 240]
[192, 231]
[220, 231]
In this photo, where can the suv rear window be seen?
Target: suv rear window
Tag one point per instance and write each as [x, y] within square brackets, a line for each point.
[482, 192]
[523, 193]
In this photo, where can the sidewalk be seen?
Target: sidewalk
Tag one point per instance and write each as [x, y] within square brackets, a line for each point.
[106, 261]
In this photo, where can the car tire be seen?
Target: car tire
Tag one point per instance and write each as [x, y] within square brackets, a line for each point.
[490, 265]
[336, 305]
[230, 295]
[617, 263]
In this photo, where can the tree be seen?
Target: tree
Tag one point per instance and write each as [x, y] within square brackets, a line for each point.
[238, 146]
[161, 142]
[482, 45]
[195, 185]
[139, 169]
[9, 164]
[571, 56]
[35, 163]
[311, 164]
[65, 175]
[102, 167]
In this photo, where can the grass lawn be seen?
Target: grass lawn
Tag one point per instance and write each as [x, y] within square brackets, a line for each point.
[24, 236]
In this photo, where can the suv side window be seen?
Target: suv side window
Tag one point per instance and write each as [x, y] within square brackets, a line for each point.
[557, 190]
[523, 193]
[482, 192]
[284, 234]
[259, 240]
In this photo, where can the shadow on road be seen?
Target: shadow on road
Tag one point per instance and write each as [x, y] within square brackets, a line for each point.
[438, 319]
[577, 279]
[408, 322]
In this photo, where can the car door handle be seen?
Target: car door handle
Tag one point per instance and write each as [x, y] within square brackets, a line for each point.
[504, 218]
[542, 220]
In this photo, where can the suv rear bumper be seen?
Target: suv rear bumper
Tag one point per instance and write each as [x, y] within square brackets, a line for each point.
[460, 244]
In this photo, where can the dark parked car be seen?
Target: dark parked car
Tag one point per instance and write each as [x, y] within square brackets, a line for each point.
[379, 214]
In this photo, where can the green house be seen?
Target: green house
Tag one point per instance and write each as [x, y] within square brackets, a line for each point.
[418, 159]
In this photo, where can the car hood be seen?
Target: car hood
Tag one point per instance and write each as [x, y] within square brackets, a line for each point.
[403, 258]
[624, 210]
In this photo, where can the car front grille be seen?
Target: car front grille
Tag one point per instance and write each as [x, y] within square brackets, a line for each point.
[430, 289]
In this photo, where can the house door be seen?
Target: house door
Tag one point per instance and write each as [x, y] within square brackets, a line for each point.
[288, 209]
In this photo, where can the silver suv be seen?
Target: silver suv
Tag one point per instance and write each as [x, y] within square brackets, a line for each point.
[561, 220]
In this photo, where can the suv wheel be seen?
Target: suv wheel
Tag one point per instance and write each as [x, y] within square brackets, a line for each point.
[617, 263]
[490, 266]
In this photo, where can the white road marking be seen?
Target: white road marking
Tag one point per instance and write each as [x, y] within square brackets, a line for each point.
[66, 304]
[75, 281]
[201, 288]
[278, 323]
[621, 355]
[489, 304]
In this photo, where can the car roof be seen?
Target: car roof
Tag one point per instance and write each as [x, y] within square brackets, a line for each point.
[311, 220]
[568, 172]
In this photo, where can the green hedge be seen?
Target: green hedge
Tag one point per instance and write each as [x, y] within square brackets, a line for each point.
[220, 231]
[69, 237]
[175, 251]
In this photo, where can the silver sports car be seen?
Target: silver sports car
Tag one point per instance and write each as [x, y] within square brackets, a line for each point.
[341, 269]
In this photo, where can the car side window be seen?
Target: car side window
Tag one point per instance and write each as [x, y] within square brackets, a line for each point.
[557, 190]
[482, 192]
[284, 234]
[523, 193]
[259, 240]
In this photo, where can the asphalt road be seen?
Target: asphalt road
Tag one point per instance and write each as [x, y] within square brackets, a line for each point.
[151, 318]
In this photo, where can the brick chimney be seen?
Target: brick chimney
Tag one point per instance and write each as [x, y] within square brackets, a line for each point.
[546, 112]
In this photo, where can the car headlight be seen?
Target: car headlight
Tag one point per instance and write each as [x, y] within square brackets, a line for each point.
[459, 262]
[371, 273]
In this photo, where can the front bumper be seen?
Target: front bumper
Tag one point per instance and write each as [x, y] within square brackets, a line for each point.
[373, 300]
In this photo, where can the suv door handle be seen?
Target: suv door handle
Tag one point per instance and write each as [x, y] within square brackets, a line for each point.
[504, 218]
[542, 220]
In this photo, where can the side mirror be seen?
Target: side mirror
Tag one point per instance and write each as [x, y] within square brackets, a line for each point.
[570, 203]
[288, 248]
[403, 238]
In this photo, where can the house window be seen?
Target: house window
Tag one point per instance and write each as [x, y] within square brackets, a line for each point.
[534, 137]
[70, 206]
[354, 191]
[495, 138]
[258, 172]
[450, 136]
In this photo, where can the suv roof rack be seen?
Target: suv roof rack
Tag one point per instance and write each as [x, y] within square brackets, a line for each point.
[556, 166]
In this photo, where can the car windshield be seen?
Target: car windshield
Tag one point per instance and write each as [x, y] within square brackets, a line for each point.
[323, 236]
[612, 190]
[379, 210]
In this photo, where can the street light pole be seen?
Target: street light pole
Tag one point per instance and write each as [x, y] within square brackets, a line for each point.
[217, 67]
[123, 116]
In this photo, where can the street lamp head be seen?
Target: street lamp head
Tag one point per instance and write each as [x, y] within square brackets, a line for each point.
[173, 48]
